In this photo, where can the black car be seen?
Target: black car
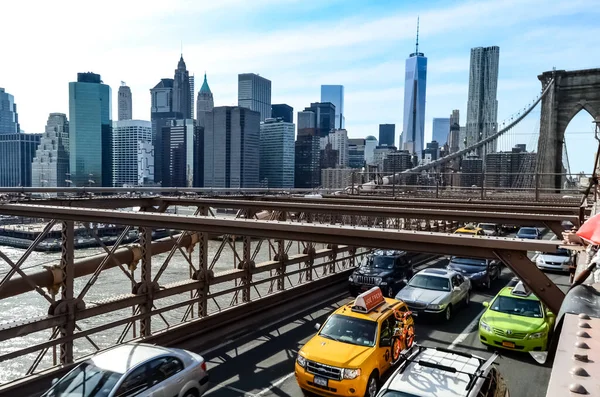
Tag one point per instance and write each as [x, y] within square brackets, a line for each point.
[388, 270]
[481, 272]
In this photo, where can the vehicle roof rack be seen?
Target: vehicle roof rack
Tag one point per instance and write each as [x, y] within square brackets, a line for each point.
[411, 356]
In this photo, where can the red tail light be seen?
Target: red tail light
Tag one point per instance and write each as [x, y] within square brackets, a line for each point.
[203, 366]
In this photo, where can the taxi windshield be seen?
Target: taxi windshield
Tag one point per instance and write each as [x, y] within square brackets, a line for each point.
[380, 262]
[354, 331]
[516, 306]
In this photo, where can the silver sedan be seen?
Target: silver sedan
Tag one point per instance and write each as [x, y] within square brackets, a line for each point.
[134, 369]
[436, 292]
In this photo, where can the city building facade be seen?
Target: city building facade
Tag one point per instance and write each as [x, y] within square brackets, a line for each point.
[204, 104]
[161, 115]
[127, 136]
[277, 153]
[124, 102]
[324, 117]
[9, 118]
[182, 91]
[482, 103]
[145, 157]
[370, 144]
[454, 136]
[50, 166]
[472, 171]
[334, 94]
[307, 158]
[338, 178]
[283, 111]
[16, 156]
[254, 93]
[178, 153]
[356, 153]
[232, 148]
[514, 169]
[339, 143]
[90, 131]
[387, 134]
[415, 84]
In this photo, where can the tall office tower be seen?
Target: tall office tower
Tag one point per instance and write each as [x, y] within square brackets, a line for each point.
[178, 153]
[145, 157]
[254, 93]
[482, 105]
[307, 170]
[9, 118]
[90, 131]
[356, 153]
[50, 166]
[192, 95]
[454, 138]
[182, 94]
[335, 94]
[124, 101]
[277, 153]
[324, 117]
[127, 135]
[339, 142]
[431, 152]
[161, 115]
[204, 104]
[370, 144]
[413, 134]
[462, 137]
[440, 130]
[307, 119]
[16, 156]
[455, 117]
[232, 148]
[387, 134]
[283, 111]
[472, 171]
[396, 162]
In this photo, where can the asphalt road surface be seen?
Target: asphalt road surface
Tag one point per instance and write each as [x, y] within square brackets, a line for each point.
[263, 363]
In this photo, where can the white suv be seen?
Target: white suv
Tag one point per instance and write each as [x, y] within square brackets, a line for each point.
[444, 373]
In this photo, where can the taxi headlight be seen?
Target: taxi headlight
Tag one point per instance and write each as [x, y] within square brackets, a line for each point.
[485, 327]
[351, 373]
[537, 335]
[301, 361]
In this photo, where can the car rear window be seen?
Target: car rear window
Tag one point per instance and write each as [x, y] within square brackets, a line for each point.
[86, 380]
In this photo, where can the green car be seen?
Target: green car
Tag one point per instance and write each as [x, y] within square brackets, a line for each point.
[516, 320]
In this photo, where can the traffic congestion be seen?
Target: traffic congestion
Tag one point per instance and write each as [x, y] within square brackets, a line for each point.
[382, 341]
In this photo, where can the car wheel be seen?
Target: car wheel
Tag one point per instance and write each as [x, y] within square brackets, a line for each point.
[372, 385]
[448, 313]
[191, 393]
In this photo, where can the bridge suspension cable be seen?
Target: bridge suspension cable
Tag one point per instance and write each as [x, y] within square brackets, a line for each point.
[395, 177]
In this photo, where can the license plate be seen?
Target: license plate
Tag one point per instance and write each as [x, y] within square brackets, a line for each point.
[508, 344]
[320, 381]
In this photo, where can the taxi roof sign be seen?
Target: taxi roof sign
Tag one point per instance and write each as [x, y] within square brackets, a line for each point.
[520, 289]
[368, 300]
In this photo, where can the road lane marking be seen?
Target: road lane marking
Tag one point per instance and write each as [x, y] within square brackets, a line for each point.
[274, 385]
[244, 393]
[467, 331]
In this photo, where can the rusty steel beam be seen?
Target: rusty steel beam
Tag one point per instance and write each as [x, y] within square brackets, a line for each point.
[425, 200]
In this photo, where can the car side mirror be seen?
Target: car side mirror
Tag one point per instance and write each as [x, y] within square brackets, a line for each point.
[456, 289]
[549, 314]
[486, 304]
[386, 342]
[54, 381]
[317, 326]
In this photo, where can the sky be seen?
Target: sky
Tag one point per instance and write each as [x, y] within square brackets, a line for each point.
[299, 45]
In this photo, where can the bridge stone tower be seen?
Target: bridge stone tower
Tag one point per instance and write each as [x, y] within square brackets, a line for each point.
[572, 91]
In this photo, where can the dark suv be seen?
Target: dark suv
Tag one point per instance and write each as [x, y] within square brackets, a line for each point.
[388, 270]
[481, 272]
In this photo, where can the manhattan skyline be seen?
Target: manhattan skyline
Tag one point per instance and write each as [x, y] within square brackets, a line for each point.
[366, 47]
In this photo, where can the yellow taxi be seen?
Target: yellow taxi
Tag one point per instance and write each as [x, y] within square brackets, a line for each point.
[357, 344]
[469, 229]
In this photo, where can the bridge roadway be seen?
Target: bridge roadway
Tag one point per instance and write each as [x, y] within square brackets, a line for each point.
[262, 363]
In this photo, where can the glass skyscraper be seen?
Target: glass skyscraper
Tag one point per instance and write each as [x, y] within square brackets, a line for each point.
[387, 134]
[415, 81]
[232, 148]
[254, 93]
[335, 95]
[482, 105]
[277, 153]
[178, 153]
[90, 130]
[161, 115]
[16, 155]
[440, 130]
[9, 119]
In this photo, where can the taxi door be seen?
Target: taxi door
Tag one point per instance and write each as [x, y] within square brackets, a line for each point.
[384, 344]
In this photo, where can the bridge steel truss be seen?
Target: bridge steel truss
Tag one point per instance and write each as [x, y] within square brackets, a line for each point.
[330, 239]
